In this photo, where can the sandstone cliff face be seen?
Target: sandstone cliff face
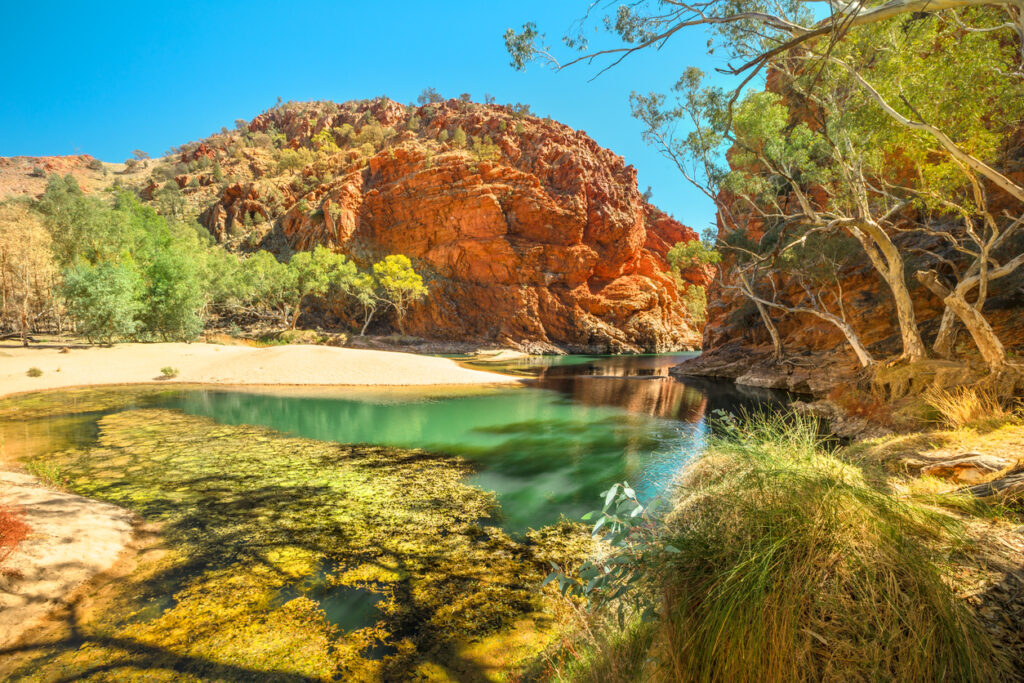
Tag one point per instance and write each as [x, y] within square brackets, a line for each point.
[529, 234]
[737, 344]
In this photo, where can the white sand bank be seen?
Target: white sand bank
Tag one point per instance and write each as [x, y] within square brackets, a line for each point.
[216, 364]
[71, 539]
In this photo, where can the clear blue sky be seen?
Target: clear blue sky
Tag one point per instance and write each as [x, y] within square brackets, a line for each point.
[106, 78]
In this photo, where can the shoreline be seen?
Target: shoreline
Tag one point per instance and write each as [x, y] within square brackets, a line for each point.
[293, 365]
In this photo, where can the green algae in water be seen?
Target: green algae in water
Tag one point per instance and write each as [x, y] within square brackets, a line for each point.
[264, 537]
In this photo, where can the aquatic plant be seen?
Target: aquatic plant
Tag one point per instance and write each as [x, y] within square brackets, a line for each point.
[265, 542]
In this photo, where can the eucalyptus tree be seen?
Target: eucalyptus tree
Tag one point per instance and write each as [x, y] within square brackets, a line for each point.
[873, 115]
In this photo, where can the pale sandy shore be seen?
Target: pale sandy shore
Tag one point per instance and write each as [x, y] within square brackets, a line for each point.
[228, 365]
[71, 539]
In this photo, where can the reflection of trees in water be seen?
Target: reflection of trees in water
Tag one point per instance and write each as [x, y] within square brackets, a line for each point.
[665, 398]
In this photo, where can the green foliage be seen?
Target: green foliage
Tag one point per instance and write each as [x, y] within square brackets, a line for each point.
[169, 372]
[168, 271]
[429, 96]
[374, 135]
[459, 137]
[34, 372]
[174, 295]
[366, 293]
[324, 142]
[290, 160]
[695, 298]
[692, 254]
[484, 149]
[400, 285]
[317, 272]
[105, 299]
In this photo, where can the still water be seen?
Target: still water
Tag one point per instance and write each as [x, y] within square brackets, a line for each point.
[546, 449]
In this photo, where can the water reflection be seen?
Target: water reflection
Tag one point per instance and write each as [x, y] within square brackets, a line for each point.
[546, 450]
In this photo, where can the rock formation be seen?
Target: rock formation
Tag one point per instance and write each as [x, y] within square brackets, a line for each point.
[527, 232]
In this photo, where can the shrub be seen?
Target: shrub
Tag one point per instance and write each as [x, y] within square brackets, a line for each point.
[696, 299]
[35, 372]
[104, 299]
[13, 529]
[48, 473]
[965, 406]
[169, 372]
[779, 562]
[95, 165]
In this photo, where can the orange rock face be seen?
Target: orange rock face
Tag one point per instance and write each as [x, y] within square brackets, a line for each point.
[531, 234]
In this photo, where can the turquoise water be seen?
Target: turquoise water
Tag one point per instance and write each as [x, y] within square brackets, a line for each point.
[546, 450]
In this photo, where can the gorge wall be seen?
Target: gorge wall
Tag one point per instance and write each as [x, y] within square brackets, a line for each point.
[527, 232]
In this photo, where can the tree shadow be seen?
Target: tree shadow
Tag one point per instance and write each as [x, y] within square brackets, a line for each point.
[216, 530]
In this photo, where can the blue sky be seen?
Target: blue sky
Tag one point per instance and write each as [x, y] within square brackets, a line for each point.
[106, 78]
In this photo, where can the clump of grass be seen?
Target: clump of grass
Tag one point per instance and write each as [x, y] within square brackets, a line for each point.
[792, 567]
[784, 564]
[34, 372]
[169, 372]
[49, 473]
[966, 406]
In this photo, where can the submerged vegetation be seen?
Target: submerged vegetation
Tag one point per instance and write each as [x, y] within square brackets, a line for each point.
[286, 557]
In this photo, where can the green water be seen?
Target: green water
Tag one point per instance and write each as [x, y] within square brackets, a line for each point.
[345, 552]
[547, 450]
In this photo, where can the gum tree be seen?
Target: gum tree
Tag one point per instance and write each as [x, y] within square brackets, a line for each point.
[400, 285]
[856, 139]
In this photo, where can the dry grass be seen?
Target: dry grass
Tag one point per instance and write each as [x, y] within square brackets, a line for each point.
[966, 406]
[792, 567]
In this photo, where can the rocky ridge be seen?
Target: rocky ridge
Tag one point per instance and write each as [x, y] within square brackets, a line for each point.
[528, 233]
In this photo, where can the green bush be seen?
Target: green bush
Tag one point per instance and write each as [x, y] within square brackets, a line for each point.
[105, 300]
[169, 372]
[35, 372]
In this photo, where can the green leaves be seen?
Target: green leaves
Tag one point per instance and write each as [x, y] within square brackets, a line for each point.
[631, 536]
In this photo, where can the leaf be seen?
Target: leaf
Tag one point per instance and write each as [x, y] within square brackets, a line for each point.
[610, 496]
[600, 523]
[672, 549]
[549, 578]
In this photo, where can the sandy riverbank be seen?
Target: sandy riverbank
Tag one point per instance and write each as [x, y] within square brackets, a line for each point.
[71, 539]
[216, 364]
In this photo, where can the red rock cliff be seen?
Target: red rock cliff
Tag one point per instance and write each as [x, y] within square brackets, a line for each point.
[529, 234]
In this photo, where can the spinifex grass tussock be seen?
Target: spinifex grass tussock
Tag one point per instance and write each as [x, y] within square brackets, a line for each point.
[791, 567]
[967, 406]
[779, 562]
